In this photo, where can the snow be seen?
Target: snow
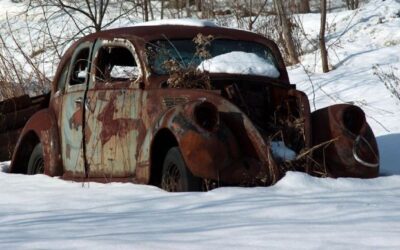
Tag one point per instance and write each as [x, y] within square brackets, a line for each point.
[280, 151]
[10, 8]
[299, 212]
[238, 62]
[358, 41]
[183, 21]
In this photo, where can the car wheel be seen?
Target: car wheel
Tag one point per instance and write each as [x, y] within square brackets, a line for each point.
[176, 177]
[36, 161]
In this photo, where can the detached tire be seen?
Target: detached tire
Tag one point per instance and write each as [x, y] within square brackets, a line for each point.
[36, 161]
[176, 177]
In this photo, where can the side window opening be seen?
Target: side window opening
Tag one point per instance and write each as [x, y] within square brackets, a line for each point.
[80, 67]
[115, 64]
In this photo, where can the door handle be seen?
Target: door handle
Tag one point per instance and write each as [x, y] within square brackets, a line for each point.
[87, 103]
[79, 100]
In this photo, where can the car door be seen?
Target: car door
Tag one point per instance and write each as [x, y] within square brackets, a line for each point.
[113, 124]
[73, 111]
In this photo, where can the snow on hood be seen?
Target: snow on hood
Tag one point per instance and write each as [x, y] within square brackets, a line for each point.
[184, 22]
[238, 62]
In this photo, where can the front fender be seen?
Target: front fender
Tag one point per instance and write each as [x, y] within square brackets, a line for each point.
[43, 127]
[351, 149]
[220, 154]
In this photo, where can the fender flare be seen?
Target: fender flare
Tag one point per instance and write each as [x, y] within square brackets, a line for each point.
[163, 123]
[43, 125]
[196, 143]
[354, 150]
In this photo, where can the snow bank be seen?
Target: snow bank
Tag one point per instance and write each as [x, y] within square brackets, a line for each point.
[280, 151]
[357, 41]
[238, 62]
[300, 212]
[4, 166]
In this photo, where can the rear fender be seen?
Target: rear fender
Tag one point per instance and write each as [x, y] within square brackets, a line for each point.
[41, 127]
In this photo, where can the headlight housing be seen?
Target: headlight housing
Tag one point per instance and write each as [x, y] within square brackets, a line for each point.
[206, 115]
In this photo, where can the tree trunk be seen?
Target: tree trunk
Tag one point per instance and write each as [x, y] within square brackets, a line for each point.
[162, 9]
[198, 4]
[322, 45]
[352, 4]
[150, 7]
[188, 12]
[287, 32]
[146, 11]
[303, 6]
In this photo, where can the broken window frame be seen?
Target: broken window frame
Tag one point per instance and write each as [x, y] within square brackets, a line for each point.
[173, 50]
[120, 43]
[75, 60]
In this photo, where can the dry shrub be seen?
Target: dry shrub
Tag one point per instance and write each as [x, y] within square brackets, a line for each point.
[390, 79]
[183, 75]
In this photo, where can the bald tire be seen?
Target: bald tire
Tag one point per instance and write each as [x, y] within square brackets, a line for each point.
[36, 161]
[176, 177]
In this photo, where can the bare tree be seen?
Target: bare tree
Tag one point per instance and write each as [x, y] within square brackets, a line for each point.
[287, 32]
[30, 49]
[188, 11]
[256, 14]
[162, 9]
[352, 4]
[94, 10]
[322, 45]
[145, 10]
[303, 6]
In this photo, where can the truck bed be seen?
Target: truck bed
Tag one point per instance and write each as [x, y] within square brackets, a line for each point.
[14, 113]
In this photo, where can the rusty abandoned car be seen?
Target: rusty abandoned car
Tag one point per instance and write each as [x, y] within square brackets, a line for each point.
[132, 105]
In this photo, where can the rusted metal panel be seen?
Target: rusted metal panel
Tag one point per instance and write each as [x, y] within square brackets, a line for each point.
[15, 104]
[71, 132]
[354, 151]
[220, 153]
[8, 143]
[114, 129]
[44, 126]
[14, 113]
[115, 132]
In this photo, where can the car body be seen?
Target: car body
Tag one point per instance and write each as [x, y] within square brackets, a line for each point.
[98, 128]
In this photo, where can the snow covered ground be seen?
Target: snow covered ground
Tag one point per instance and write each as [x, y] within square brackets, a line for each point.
[299, 212]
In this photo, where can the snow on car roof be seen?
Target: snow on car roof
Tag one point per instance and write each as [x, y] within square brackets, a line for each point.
[183, 22]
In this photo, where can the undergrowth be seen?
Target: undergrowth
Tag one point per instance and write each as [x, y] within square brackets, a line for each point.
[390, 79]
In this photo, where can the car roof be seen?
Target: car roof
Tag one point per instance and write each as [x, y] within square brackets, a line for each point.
[151, 31]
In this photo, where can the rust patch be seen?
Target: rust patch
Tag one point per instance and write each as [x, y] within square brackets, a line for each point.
[88, 133]
[76, 119]
[115, 127]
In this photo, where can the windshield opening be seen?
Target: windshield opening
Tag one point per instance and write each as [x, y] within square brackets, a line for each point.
[222, 56]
